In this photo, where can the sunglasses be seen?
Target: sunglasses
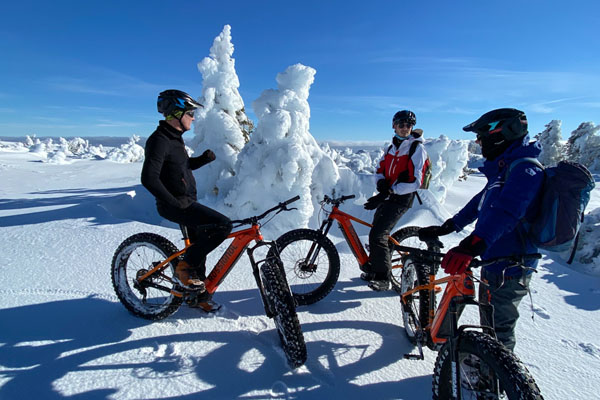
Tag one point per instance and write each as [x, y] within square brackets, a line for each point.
[190, 114]
[403, 124]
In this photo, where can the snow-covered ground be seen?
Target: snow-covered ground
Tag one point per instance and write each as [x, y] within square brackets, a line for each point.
[64, 333]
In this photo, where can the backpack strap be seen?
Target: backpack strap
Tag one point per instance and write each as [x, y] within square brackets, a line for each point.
[411, 151]
[519, 161]
[413, 148]
[521, 228]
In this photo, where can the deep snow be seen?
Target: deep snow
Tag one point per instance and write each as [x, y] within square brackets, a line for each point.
[65, 335]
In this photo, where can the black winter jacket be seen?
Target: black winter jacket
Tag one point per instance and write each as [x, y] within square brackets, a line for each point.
[167, 170]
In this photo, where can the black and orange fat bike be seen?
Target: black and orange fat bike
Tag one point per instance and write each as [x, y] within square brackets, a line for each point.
[142, 275]
[471, 362]
[312, 263]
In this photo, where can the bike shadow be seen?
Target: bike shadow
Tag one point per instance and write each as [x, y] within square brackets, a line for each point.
[53, 349]
[346, 295]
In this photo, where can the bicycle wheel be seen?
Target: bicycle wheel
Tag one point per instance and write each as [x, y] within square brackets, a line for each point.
[282, 305]
[311, 279]
[486, 368]
[407, 236]
[415, 309]
[134, 257]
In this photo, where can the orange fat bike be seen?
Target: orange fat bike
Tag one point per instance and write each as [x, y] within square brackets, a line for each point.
[312, 263]
[143, 267]
[471, 362]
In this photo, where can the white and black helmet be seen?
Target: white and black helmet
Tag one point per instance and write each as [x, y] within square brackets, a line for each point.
[404, 116]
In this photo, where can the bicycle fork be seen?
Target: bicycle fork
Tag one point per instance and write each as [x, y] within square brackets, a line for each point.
[454, 310]
[315, 248]
[256, 272]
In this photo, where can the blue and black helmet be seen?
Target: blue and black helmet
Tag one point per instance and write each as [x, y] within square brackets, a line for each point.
[496, 130]
[172, 100]
[510, 123]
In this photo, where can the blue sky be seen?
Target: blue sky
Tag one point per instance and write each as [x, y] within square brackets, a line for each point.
[94, 68]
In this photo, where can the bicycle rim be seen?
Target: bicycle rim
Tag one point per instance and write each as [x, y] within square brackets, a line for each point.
[134, 257]
[488, 371]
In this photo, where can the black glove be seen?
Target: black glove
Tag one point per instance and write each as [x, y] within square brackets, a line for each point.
[433, 232]
[383, 186]
[458, 258]
[208, 156]
[374, 202]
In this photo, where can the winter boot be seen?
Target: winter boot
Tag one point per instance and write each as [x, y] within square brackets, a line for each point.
[380, 285]
[185, 276]
[367, 276]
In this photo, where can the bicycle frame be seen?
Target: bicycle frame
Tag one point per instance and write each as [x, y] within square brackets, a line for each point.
[460, 289]
[241, 241]
[345, 224]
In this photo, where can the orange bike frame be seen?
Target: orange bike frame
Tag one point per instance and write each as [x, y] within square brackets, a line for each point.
[457, 286]
[241, 240]
[345, 223]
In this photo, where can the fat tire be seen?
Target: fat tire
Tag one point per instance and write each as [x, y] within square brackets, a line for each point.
[129, 296]
[282, 305]
[417, 304]
[408, 236]
[513, 376]
[302, 283]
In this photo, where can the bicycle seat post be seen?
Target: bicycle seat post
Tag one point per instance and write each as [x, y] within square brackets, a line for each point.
[186, 236]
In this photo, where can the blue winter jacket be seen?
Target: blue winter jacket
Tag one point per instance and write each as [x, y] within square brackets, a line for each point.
[500, 206]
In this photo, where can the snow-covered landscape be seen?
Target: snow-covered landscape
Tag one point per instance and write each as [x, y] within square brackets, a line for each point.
[66, 205]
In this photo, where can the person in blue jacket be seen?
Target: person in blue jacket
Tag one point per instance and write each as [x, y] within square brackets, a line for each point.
[498, 209]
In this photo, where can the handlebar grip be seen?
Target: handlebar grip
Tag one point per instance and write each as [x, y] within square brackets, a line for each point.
[348, 197]
[293, 199]
[484, 263]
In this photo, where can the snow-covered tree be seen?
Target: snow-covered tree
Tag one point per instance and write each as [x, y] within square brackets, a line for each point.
[584, 145]
[576, 145]
[282, 159]
[473, 147]
[448, 159]
[222, 125]
[550, 140]
[588, 248]
[128, 152]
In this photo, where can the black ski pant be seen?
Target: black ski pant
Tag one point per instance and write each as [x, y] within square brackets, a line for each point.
[386, 217]
[504, 294]
[204, 238]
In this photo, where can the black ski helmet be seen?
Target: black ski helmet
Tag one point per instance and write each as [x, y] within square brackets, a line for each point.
[404, 115]
[497, 129]
[173, 100]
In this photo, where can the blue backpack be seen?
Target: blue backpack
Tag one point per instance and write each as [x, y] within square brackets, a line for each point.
[564, 195]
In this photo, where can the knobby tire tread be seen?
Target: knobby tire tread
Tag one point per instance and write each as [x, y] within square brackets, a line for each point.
[514, 377]
[401, 235]
[285, 318]
[413, 276]
[124, 290]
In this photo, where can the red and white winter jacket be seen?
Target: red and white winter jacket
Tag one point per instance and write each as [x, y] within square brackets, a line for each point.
[403, 175]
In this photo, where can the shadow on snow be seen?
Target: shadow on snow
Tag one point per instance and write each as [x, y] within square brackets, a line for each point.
[77, 334]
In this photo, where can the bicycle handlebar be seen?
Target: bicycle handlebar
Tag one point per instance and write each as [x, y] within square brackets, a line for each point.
[475, 263]
[337, 201]
[281, 206]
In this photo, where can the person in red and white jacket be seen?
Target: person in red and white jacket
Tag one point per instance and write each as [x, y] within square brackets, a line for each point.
[398, 178]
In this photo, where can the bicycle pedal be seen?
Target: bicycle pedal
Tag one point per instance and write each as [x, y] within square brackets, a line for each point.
[414, 357]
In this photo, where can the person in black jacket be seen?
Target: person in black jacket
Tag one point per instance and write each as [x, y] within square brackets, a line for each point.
[167, 174]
